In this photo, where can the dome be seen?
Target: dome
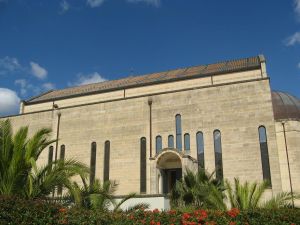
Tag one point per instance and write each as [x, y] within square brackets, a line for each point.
[285, 106]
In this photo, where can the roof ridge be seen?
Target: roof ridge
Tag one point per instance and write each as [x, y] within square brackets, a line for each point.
[190, 72]
[148, 74]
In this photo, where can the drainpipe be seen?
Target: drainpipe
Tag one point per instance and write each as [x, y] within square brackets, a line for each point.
[150, 121]
[288, 163]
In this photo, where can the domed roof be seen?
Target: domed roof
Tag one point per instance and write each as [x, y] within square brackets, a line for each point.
[285, 106]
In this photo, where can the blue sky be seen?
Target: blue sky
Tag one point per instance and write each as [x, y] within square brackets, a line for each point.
[59, 43]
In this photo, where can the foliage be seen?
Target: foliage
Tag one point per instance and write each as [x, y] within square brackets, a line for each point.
[35, 212]
[99, 196]
[250, 196]
[19, 174]
[201, 190]
[198, 190]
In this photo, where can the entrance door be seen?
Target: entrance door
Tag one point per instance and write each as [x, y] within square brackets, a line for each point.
[170, 176]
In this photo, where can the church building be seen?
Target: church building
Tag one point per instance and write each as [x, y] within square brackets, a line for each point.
[144, 131]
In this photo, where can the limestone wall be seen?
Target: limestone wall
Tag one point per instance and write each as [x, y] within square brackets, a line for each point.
[146, 90]
[292, 131]
[237, 110]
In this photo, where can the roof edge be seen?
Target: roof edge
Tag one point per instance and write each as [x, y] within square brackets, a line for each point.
[261, 59]
[34, 97]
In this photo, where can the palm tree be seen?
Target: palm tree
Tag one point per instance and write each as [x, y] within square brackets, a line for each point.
[19, 174]
[250, 196]
[198, 190]
[99, 196]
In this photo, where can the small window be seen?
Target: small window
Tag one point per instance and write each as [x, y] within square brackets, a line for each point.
[170, 141]
[50, 155]
[106, 160]
[158, 144]
[143, 168]
[93, 162]
[264, 154]
[218, 155]
[178, 132]
[187, 142]
[200, 149]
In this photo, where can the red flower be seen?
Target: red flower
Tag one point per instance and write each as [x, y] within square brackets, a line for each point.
[131, 217]
[172, 212]
[186, 216]
[202, 214]
[155, 211]
[232, 223]
[158, 223]
[234, 212]
[62, 210]
[152, 222]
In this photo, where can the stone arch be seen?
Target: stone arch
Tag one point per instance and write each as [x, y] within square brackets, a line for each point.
[169, 164]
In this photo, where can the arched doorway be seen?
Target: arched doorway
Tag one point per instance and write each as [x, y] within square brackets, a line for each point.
[170, 170]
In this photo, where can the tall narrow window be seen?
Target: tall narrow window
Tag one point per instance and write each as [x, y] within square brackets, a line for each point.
[178, 132]
[106, 160]
[50, 155]
[200, 149]
[93, 162]
[264, 154]
[62, 152]
[218, 155]
[187, 145]
[170, 141]
[158, 144]
[143, 168]
[61, 157]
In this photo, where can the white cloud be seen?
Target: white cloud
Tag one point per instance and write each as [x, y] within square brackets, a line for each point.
[298, 65]
[28, 88]
[64, 6]
[155, 3]
[297, 7]
[9, 102]
[38, 71]
[293, 39]
[94, 3]
[23, 86]
[9, 65]
[87, 79]
[48, 86]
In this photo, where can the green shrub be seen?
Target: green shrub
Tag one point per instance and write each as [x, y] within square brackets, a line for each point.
[16, 211]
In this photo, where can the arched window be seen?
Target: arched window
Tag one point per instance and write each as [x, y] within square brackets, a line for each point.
[158, 144]
[200, 149]
[93, 162]
[264, 154]
[143, 168]
[170, 141]
[50, 155]
[106, 160]
[187, 145]
[178, 132]
[61, 157]
[218, 155]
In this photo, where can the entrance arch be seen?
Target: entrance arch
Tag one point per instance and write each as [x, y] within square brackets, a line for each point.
[169, 166]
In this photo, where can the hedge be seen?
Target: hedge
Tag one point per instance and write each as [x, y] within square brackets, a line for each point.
[16, 211]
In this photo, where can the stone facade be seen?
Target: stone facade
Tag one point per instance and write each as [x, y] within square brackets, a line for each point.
[235, 103]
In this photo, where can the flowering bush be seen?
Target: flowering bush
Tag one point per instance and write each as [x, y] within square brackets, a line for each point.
[36, 212]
